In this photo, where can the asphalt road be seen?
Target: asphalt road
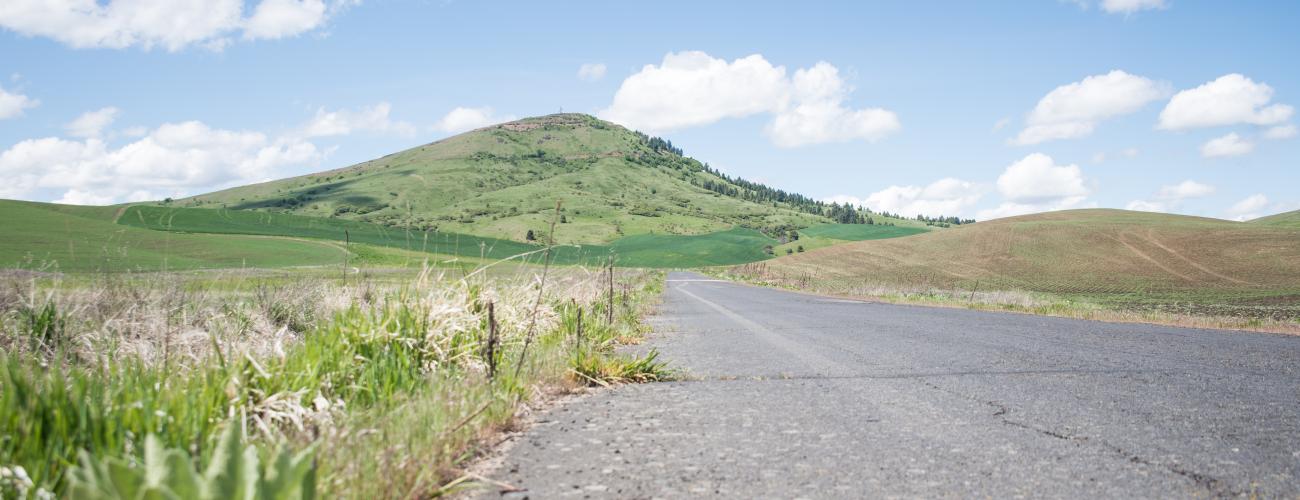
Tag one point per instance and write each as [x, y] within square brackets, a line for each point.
[803, 396]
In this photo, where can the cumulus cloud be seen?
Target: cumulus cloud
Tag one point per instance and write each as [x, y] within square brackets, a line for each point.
[947, 196]
[819, 115]
[13, 104]
[172, 159]
[1228, 100]
[591, 71]
[1074, 110]
[1280, 132]
[1228, 145]
[1248, 208]
[1172, 196]
[170, 24]
[273, 19]
[693, 88]
[91, 123]
[1131, 6]
[462, 119]
[364, 119]
[1036, 183]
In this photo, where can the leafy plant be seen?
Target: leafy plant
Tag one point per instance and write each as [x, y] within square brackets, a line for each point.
[44, 324]
[234, 472]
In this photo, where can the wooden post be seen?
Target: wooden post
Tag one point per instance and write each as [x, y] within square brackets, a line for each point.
[577, 342]
[347, 242]
[492, 341]
[972, 292]
[609, 312]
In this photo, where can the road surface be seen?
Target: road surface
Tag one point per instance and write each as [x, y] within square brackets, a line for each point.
[802, 396]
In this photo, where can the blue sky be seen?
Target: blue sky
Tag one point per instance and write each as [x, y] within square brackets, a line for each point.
[979, 109]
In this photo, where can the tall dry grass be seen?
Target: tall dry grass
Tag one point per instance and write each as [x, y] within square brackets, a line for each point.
[388, 374]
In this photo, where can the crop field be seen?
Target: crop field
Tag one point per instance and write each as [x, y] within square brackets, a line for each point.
[859, 232]
[1110, 258]
[41, 236]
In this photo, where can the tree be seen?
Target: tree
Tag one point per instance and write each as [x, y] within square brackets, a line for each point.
[800, 248]
[530, 236]
[788, 251]
[563, 219]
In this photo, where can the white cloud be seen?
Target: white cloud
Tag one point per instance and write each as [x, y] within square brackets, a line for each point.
[819, 115]
[274, 19]
[91, 123]
[1074, 110]
[1131, 6]
[1001, 124]
[693, 88]
[1248, 208]
[1036, 184]
[170, 24]
[1280, 132]
[174, 158]
[12, 105]
[947, 196]
[1170, 197]
[1228, 145]
[1228, 100]
[364, 119]
[591, 71]
[79, 197]
[1037, 178]
[462, 119]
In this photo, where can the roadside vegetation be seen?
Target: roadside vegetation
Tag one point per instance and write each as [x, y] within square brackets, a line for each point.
[380, 386]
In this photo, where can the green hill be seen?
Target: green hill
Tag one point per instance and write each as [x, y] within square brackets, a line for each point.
[503, 181]
[1284, 219]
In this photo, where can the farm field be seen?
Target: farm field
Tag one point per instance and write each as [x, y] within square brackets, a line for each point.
[732, 246]
[1109, 258]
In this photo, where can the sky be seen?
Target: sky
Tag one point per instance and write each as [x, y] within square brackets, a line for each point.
[975, 109]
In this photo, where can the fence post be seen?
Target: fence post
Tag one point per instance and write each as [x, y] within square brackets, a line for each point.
[347, 242]
[609, 311]
[492, 341]
[577, 343]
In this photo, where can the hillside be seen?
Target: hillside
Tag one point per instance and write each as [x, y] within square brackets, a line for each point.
[48, 237]
[502, 181]
[1103, 254]
[1284, 219]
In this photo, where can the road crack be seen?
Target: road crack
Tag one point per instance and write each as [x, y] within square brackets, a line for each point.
[1214, 486]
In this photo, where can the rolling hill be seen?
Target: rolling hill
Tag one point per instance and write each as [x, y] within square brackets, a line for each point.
[502, 182]
[1101, 254]
[1284, 219]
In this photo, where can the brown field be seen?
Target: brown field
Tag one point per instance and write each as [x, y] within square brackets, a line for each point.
[1120, 260]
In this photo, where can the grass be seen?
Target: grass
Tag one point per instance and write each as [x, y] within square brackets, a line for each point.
[387, 377]
[825, 235]
[1129, 263]
[494, 183]
[732, 246]
[859, 232]
[65, 238]
[1285, 219]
